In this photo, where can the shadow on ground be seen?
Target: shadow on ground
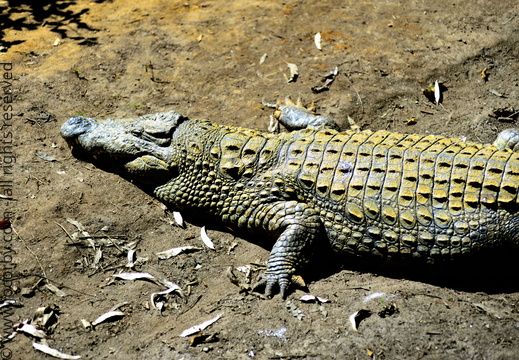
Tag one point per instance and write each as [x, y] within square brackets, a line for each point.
[28, 15]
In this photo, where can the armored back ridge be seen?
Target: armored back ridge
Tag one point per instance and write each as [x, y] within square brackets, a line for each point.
[388, 195]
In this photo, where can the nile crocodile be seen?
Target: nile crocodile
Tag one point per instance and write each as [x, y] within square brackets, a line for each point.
[389, 195]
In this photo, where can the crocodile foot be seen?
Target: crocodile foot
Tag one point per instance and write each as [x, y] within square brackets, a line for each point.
[508, 139]
[296, 116]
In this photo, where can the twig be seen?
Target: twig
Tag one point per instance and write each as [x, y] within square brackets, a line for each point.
[49, 280]
[108, 267]
[358, 95]
[190, 306]
[109, 237]
[32, 252]
[65, 230]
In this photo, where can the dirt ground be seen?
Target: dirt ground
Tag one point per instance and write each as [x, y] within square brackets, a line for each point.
[202, 58]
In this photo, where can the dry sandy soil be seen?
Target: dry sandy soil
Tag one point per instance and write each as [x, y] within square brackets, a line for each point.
[202, 58]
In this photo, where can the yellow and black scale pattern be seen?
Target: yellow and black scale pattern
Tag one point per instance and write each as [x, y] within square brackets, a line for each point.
[381, 193]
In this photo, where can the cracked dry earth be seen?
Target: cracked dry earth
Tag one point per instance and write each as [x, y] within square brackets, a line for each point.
[202, 58]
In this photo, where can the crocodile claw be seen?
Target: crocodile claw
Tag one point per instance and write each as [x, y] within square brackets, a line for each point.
[270, 282]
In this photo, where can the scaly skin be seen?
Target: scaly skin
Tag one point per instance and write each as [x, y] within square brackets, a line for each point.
[383, 194]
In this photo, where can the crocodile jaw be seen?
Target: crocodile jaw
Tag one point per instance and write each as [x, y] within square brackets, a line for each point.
[138, 148]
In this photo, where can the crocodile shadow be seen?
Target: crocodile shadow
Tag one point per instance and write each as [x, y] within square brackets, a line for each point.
[491, 271]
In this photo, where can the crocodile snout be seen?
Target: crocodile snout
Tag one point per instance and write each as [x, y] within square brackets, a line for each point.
[77, 126]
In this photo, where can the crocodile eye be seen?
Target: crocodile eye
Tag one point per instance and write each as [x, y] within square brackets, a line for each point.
[137, 131]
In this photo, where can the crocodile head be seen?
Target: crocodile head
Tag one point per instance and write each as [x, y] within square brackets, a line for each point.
[135, 148]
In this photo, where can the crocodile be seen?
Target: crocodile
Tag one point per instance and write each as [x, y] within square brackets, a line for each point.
[391, 196]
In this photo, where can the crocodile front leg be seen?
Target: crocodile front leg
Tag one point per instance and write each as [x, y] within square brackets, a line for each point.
[300, 225]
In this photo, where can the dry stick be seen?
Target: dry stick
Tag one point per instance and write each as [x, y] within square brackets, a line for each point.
[108, 267]
[109, 237]
[358, 95]
[32, 252]
[65, 230]
[59, 284]
[509, 117]
[116, 246]
[190, 306]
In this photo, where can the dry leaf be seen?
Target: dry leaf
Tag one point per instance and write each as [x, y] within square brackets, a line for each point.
[317, 41]
[131, 259]
[434, 92]
[437, 93]
[327, 81]
[410, 121]
[119, 305]
[244, 268]
[200, 339]
[134, 276]
[167, 284]
[313, 298]
[294, 72]
[496, 93]
[273, 126]
[30, 329]
[46, 318]
[178, 219]
[357, 317]
[53, 352]
[484, 74]
[174, 288]
[263, 58]
[109, 316]
[197, 328]
[77, 224]
[10, 302]
[378, 295]
[163, 255]
[353, 124]
[44, 156]
[206, 240]
[97, 257]
[55, 290]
